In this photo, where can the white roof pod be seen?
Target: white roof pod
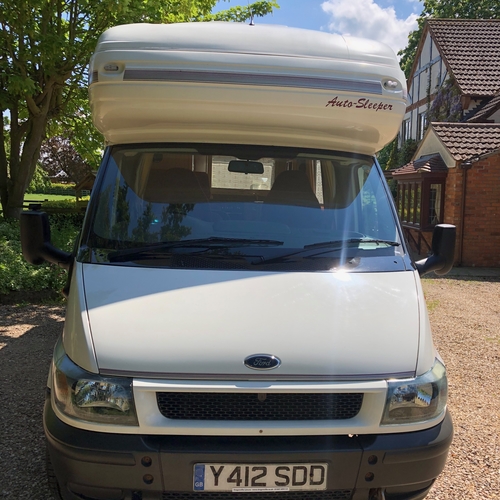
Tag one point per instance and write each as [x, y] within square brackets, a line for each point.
[236, 83]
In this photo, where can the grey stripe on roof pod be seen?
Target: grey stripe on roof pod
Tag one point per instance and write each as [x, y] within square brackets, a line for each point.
[366, 86]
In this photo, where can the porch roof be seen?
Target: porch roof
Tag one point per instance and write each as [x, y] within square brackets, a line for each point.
[427, 164]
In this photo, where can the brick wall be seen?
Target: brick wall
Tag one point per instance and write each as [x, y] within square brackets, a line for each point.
[481, 246]
[453, 203]
[482, 214]
[453, 196]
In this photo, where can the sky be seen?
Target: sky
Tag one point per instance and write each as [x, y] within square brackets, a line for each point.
[387, 21]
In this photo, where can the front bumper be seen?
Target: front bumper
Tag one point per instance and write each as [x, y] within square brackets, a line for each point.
[97, 466]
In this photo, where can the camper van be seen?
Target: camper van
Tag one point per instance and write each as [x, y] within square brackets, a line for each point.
[244, 318]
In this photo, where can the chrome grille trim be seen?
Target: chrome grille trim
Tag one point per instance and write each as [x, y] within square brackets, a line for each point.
[262, 376]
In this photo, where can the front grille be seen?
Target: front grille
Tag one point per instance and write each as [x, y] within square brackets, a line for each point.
[276, 495]
[253, 406]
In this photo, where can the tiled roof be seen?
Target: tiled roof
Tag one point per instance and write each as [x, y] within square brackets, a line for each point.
[471, 48]
[486, 110]
[467, 140]
[427, 164]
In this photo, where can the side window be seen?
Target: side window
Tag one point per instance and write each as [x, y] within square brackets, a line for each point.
[435, 216]
[405, 131]
[421, 125]
[420, 203]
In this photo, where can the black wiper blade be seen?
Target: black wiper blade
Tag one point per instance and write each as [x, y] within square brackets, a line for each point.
[350, 241]
[213, 241]
[308, 251]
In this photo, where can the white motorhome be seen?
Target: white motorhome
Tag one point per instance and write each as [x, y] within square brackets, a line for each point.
[244, 319]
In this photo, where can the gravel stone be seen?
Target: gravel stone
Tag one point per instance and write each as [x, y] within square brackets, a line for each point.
[465, 318]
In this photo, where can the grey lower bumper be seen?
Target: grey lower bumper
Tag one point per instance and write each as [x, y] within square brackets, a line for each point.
[96, 466]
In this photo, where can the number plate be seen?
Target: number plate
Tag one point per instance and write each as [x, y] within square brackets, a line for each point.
[255, 478]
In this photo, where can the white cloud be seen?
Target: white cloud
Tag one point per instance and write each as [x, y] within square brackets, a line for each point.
[366, 19]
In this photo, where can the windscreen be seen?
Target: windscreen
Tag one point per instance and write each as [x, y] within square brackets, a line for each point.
[225, 207]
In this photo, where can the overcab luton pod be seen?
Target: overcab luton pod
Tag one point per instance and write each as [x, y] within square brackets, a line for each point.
[244, 319]
[242, 84]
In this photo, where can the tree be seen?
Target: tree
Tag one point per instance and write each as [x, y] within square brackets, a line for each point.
[407, 151]
[384, 155]
[446, 9]
[45, 46]
[59, 158]
[391, 156]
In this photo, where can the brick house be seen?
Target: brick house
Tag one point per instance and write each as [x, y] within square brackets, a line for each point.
[454, 176]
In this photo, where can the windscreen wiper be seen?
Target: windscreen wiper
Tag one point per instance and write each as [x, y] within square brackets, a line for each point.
[351, 241]
[321, 247]
[212, 242]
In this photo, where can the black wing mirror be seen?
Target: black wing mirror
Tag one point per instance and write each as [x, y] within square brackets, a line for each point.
[35, 241]
[443, 251]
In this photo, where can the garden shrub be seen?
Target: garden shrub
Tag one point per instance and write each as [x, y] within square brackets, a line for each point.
[64, 212]
[40, 182]
[59, 188]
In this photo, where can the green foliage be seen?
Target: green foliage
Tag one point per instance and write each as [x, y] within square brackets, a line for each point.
[391, 156]
[407, 151]
[446, 9]
[40, 182]
[243, 13]
[70, 204]
[44, 52]
[16, 274]
[66, 188]
[384, 155]
[408, 53]
[64, 212]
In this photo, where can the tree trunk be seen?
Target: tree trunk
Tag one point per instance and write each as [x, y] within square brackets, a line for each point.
[22, 166]
[4, 192]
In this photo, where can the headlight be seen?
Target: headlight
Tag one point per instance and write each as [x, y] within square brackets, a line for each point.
[87, 396]
[416, 400]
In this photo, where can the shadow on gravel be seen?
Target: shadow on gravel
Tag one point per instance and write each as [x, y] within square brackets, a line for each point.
[481, 279]
[27, 338]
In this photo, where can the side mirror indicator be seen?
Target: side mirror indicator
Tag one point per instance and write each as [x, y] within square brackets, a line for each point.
[35, 241]
[443, 251]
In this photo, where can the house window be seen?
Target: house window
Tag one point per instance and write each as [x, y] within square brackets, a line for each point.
[405, 131]
[421, 125]
[409, 202]
[420, 202]
[434, 215]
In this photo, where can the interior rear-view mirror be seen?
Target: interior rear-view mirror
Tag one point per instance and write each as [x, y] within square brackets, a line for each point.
[246, 167]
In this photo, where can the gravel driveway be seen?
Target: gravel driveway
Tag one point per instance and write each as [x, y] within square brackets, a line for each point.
[465, 316]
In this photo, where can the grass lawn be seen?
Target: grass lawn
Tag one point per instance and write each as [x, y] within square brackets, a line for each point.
[46, 197]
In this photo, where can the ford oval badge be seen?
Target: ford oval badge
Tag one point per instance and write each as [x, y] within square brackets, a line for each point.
[262, 362]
